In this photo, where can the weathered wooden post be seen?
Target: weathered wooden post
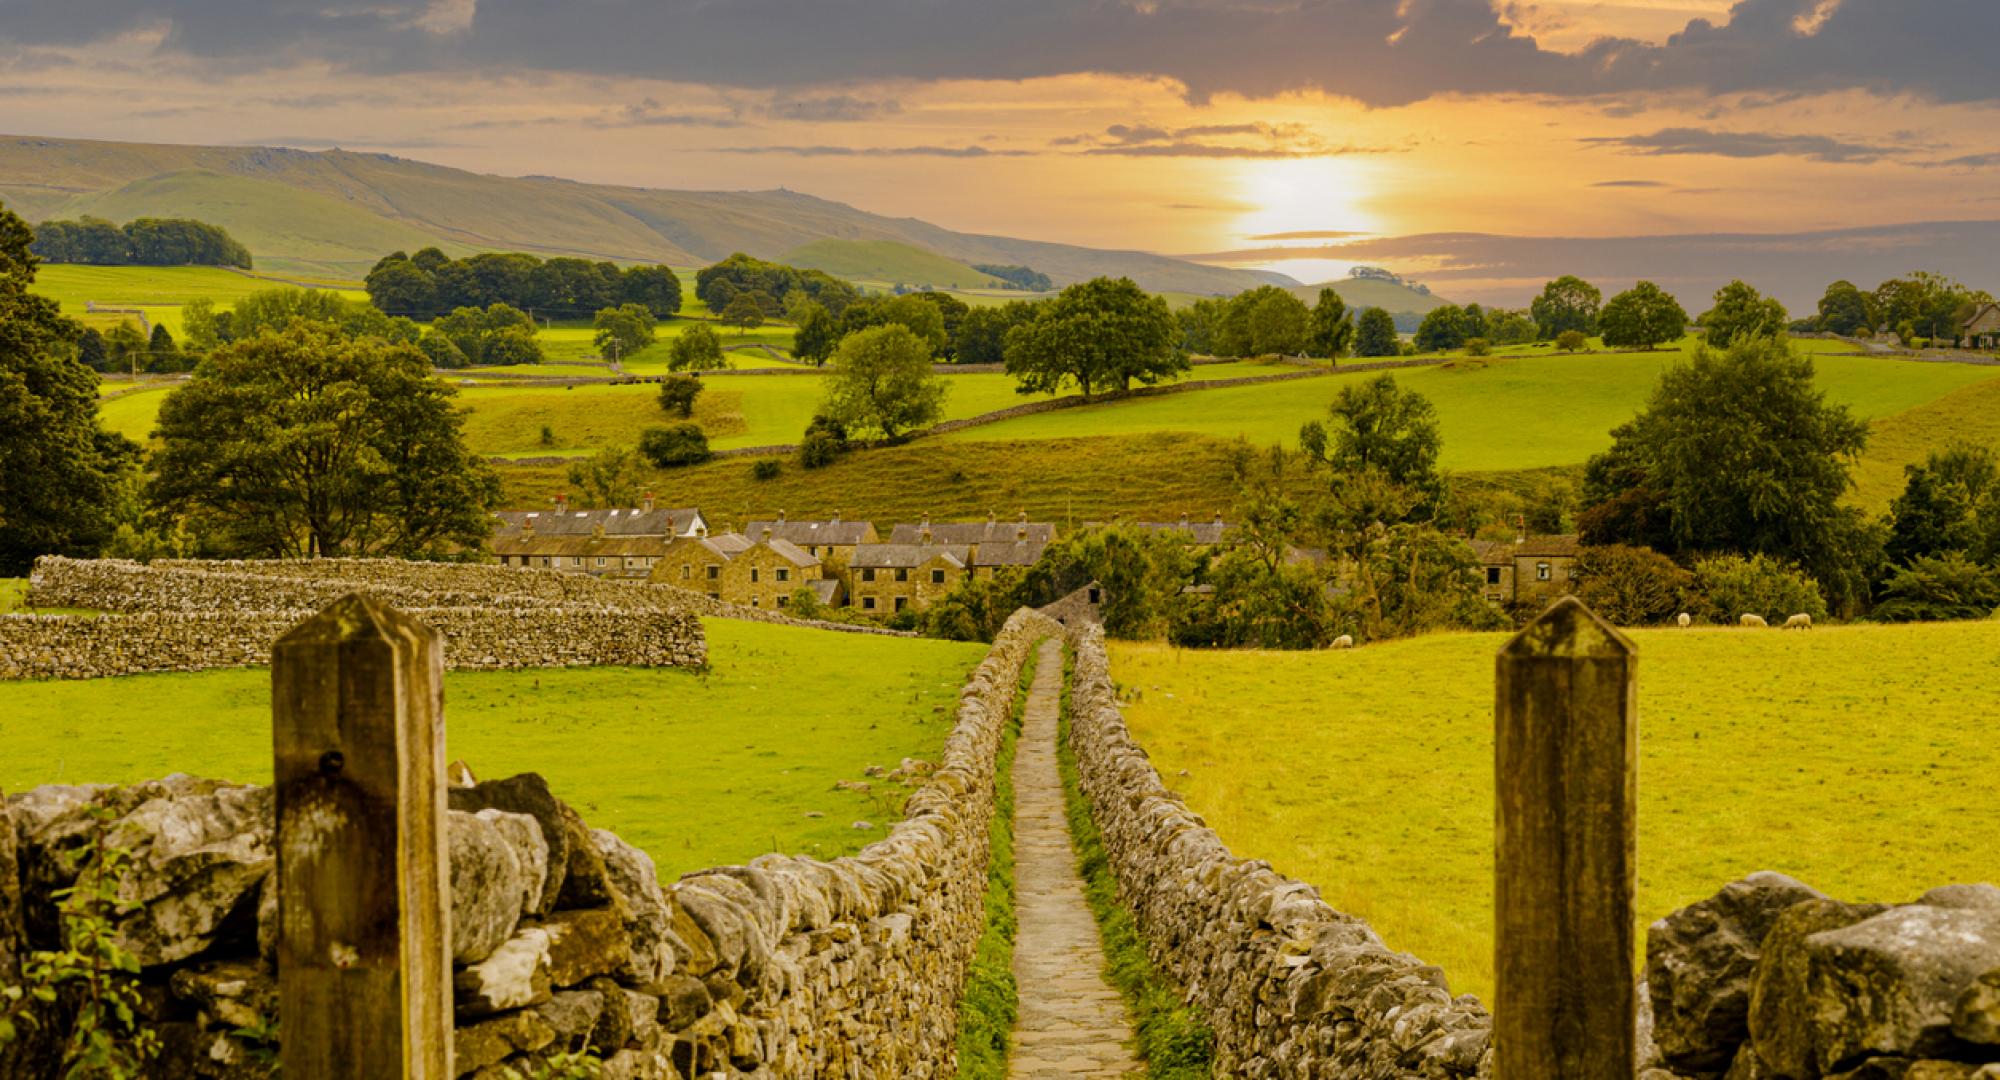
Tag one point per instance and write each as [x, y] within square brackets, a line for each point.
[1566, 768]
[364, 941]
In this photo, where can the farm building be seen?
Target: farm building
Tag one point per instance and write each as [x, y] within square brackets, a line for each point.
[696, 562]
[1982, 328]
[894, 577]
[1533, 568]
[631, 557]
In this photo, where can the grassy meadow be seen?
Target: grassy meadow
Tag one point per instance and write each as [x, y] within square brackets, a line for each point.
[1853, 758]
[699, 769]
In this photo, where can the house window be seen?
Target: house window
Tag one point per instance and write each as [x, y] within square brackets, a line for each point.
[900, 601]
[1492, 575]
[1541, 571]
[753, 601]
[714, 571]
[868, 575]
[600, 560]
[902, 574]
[545, 560]
[1095, 597]
[753, 575]
[784, 573]
[868, 603]
[937, 577]
[782, 599]
[686, 571]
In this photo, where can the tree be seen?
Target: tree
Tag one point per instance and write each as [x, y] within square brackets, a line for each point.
[745, 312]
[91, 352]
[401, 287]
[673, 447]
[1378, 425]
[1741, 312]
[1443, 329]
[920, 316]
[881, 380]
[656, 288]
[271, 309]
[199, 325]
[306, 443]
[496, 335]
[1265, 321]
[1571, 341]
[61, 474]
[614, 476]
[1730, 586]
[1567, 303]
[982, 334]
[162, 353]
[1846, 310]
[1935, 587]
[1642, 317]
[1509, 327]
[623, 331]
[817, 333]
[824, 440]
[677, 394]
[1375, 334]
[1201, 326]
[1332, 326]
[1940, 508]
[1736, 450]
[126, 347]
[1097, 333]
[951, 315]
[696, 349]
[1631, 586]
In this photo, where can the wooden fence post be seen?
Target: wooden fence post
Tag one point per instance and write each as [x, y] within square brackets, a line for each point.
[364, 941]
[1566, 768]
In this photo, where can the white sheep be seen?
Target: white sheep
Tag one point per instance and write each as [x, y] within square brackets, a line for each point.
[1344, 641]
[1800, 621]
[1752, 620]
[1684, 619]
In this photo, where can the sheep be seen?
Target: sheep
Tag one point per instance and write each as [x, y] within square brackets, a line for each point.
[1753, 620]
[1684, 619]
[1800, 621]
[1344, 641]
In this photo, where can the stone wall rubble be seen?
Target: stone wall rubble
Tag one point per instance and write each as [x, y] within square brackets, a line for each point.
[1291, 987]
[562, 937]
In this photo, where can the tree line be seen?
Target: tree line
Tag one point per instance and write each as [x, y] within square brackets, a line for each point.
[141, 242]
[431, 283]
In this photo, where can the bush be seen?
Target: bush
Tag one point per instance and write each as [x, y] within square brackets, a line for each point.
[1731, 585]
[1938, 587]
[548, 437]
[1571, 341]
[677, 394]
[672, 447]
[824, 441]
[1478, 346]
[1631, 586]
[766, 469]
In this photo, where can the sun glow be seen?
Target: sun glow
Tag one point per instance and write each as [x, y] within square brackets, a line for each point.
[1305, 203]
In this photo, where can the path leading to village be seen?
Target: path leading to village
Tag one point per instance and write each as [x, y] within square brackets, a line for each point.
[1072, 1022]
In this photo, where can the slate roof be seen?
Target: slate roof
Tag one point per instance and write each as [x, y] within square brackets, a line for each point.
[1499, 552]
[1011, 553]
[791, 552]
[816, 533]
[725, 545]
[908, 556]
[973, 532]
[588, 546]
[618, 522]
[827, 589]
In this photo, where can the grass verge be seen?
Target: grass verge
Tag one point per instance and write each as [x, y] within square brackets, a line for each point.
[1172, 1038]
[991, 1004]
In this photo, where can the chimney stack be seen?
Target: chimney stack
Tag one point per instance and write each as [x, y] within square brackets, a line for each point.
[781, 519]
[1184, 519]
[670, 529]
[1020, 532]
[925, 536]
[767, 534]
[835, 519]
[562, 502]
[649, 502]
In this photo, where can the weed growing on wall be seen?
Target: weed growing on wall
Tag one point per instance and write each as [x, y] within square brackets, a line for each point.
[991, 1004]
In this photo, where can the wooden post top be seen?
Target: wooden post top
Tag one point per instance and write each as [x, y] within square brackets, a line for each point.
[1568, 630]
[358, 616]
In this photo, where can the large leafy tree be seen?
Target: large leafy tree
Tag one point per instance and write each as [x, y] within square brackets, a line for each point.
[881, 380]
[1100, 333]
[1332, 326]
[1567, 303]
[60, 473]
[1263, 321]
[1948, 504]
[306, 442]
[1846, 310]
[1379, 425]
[1736, 450]
[1375, 334]
[1741, 312]
[1644, 316]
[1443, 329]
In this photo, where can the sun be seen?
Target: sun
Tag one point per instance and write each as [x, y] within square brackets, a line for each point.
[1307, 203]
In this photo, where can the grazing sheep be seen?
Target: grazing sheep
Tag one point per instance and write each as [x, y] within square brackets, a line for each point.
[1752, 620]
[1684, 619]
[1344, 641]
[1799, 622]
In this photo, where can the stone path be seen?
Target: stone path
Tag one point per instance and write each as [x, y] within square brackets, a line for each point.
[1072, 1022]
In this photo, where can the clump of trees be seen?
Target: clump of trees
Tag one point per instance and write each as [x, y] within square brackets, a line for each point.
[1017, 277]
[623, 330]
[1100, 334]
[1567, 303]
[696, 349]
[431, 283]
[1267, 321]
[1644, 316]
[769, 285]
[1919, 305]
[141, 242]
[500, 335]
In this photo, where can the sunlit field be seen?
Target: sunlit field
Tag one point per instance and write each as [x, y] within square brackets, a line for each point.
[1856, 759]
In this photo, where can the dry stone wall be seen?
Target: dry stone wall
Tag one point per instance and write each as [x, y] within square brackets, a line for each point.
[562, 937]
[482, 638]
[1291, 987]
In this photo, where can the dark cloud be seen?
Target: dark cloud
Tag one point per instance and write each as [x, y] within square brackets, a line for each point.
[1630, 184]
[834, 109]
[649, 113]
[1750, 144]
[1380, 52]
[1272, 141]
[1963, 161]
[870, 151]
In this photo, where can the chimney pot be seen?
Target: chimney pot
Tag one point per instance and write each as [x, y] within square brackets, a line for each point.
[649, 502]
[767, 534]
[781, 517]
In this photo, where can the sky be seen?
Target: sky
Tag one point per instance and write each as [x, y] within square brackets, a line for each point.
[1298, 135]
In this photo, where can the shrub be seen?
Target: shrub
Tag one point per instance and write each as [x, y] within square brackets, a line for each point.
[824, 440]
[1571, 341]
[1478, 346]
[1732, 585]
[766, 469]
[1630, 586]
[672, 447]
[548, 436]
[1937, 587]
[677, 394]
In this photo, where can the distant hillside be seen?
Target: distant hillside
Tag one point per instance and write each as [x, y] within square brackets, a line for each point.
[335, 212]
[890, 262]
[1358, 293]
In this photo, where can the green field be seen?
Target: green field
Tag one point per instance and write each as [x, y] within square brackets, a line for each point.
[697, 769]
[886, 262]
[1853, 758]
[159, 291]
[1504, 413]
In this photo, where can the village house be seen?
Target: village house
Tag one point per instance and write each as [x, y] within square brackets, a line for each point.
[647, 519]
[1199, 534]
[973, 533]
[1982, 328]
[696, 562]
[618, 543]
[892, 577]
[831, 541]
[992, 556]
[769, 571]
[1528, 569]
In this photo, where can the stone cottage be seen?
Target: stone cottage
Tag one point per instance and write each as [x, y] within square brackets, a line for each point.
[768, 572]
[696, 562]
[647, 519]
[1528, 569]
[973, 533]
[831, 541]
[892, 577]
[1981, 330]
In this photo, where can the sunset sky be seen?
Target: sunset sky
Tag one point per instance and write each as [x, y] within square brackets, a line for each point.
[1258, 132]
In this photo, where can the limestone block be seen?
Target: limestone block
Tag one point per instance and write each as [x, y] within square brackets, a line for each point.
[1699, 961]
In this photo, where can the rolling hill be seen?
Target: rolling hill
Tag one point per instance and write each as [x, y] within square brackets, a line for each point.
[888, 262]
[335, 212]
[1358, 293]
